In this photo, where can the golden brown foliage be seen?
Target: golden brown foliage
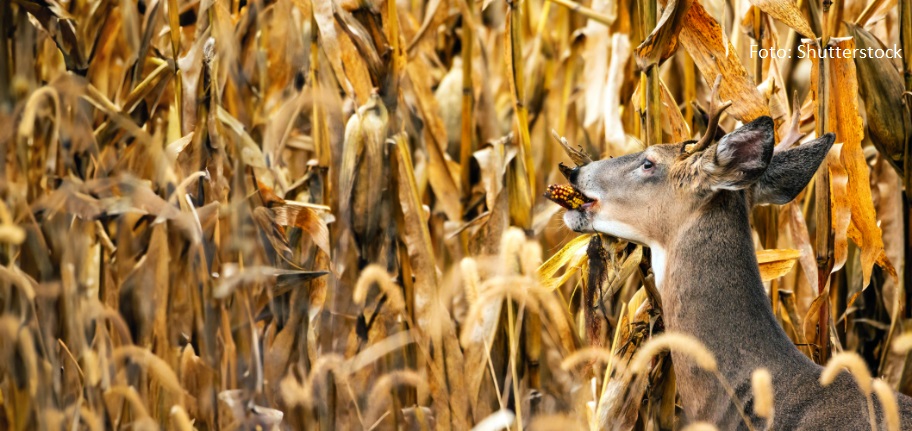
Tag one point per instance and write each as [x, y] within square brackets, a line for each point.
[328, 214]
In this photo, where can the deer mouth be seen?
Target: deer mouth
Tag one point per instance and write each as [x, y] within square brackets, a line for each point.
[568, 197]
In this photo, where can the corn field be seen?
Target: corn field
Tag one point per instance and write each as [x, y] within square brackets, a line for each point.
[330, 214]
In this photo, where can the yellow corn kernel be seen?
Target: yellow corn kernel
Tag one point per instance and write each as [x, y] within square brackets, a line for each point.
[565, 195]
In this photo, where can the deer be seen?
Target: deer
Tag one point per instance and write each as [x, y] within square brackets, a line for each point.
[689, 203]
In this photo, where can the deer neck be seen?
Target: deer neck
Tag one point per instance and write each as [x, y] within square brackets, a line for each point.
[711, 289]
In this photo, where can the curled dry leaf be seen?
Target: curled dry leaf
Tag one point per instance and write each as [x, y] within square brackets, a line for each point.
[849, 130]
[415, 232]
[662, 42]
[787, 12]
[250, 275]
[329, 39]
[802, 239]
[577, 155]
[793, 134]
[308, 220]
[444, 182]
[776, 263]
[615, 137]
[674, 123]
[841, 209]
[570, 256]
[702, 37]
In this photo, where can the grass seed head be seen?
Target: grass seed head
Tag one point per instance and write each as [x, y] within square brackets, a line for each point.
[530, 258]
[586, 355]
[292, 392]
[155, 365]
[91, 367]
[180, 419]
[903, 343]
[888, 402]
[854, 364]
[470, 278]
[762, 385]
[129, 394]
[700, 426]
[680, 343]
[554, 422]
[383, 386]
[510, 249]
[375, 274]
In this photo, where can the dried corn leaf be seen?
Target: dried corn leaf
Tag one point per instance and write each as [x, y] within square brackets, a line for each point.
[306, 219]
[578, 155]
[802, 239]
[62, 28]
[415, 234]
[357, 70]
[444, 182]
[792, 134]
[662, 42]
[279, 278]
[702, 37]
[812, 318]
[775, 263]
[674, 123]
[331, 45]
[841, 212]
[849, 130]
[787, 12]
[570, 256]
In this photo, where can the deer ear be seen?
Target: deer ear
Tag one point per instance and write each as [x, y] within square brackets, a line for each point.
[741, 157]
[791, 170]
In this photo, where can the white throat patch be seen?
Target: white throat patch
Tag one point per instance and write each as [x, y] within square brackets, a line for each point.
[659, 265]
[620, 230]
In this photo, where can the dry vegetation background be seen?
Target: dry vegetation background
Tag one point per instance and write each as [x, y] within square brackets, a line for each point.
[224, 214]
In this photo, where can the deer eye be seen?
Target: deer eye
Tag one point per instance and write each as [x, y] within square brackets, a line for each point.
[648, 165]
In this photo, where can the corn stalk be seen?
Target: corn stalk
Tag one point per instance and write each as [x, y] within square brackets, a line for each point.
[650, 78]
[515, 60]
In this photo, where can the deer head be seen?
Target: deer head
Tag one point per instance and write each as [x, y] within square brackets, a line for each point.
[647, 197]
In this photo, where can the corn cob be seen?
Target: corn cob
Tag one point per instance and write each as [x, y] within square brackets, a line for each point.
[566, 196]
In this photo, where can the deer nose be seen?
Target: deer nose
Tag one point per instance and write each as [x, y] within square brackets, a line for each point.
[569, 173]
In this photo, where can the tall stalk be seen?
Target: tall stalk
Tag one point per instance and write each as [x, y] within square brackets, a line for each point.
[758, 30]
[468, 103]
[513, 349]
[174, 25]
[515, 45]
[653, 108]
[905, 39]
[824, 239]
[6, 59]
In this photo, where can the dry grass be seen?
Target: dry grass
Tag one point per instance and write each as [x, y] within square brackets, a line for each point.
[306, 214]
